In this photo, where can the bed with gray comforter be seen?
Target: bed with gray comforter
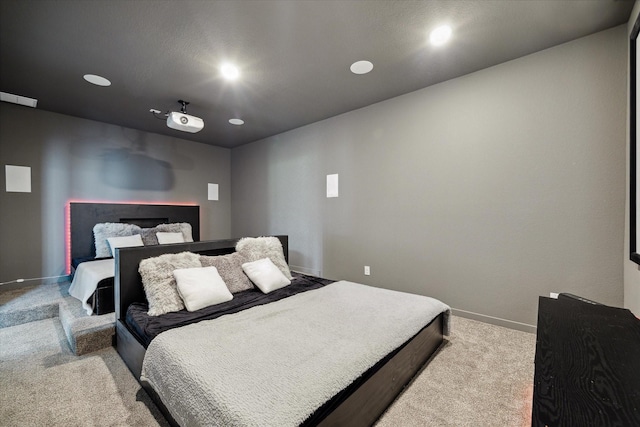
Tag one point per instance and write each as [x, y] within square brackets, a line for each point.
[277, 364]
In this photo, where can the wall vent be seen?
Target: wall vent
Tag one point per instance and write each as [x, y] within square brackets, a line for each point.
[17, 99]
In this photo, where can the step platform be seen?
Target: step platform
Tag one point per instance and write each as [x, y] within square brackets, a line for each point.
[85, 334]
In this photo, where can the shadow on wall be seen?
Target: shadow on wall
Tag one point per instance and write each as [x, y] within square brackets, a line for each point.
[133, 171]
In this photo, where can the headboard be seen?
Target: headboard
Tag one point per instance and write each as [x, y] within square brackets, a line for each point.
[84, 216]
[128, 283]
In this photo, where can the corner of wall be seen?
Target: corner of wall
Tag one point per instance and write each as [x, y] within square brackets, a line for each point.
[631, 270]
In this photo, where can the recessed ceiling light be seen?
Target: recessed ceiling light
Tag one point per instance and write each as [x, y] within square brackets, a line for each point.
[229, 71]
[440, 35]
[97, 80]
[237, 122]
[361, 67]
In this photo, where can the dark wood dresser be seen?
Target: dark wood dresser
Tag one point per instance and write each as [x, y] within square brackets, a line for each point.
[587, 365]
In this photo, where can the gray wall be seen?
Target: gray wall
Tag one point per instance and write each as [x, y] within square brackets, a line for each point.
[78, 159]
[485, 191]
[631, 269]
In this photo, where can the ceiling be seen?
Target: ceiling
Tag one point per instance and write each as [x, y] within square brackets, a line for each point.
[294, 56]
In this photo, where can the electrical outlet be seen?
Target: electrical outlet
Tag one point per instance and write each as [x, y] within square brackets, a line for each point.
[367, 270]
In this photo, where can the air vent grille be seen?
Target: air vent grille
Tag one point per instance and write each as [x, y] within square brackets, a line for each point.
[17, 99]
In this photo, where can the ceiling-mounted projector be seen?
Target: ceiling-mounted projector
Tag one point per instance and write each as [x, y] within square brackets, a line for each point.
[182, 121]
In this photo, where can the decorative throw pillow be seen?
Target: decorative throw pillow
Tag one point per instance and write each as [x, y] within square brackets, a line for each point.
[149, 237]
[265, 275]
[167, 238]
[201, 287]
[255, 248]
[177, 227]
[102, 231]
[230, 269]
[124, 242]
[187, 231]
[159, 283]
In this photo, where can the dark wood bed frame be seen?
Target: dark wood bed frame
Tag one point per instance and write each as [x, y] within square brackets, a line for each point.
[361, 408]
[84, 216]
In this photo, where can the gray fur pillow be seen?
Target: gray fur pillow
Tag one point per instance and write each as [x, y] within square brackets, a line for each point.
[160, 285]
[255, 248]
[230, 269]
[102, 231]
[177, 227]
[149, 237]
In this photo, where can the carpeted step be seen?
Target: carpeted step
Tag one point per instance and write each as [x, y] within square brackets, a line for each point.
[26, 304]
[27, 315]
[30, 303]
[85, 333]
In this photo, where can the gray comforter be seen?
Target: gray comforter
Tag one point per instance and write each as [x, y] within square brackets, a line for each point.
[274, 365]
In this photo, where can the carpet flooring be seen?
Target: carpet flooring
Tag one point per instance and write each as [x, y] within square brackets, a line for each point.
[482, 376]
[31, 303]
[42, 383]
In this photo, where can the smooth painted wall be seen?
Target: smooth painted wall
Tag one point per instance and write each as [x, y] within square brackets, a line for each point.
[631, 269]
[485, 191]
[78, 159]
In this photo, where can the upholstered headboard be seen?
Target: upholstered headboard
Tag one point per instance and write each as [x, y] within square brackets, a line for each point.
[84, 216]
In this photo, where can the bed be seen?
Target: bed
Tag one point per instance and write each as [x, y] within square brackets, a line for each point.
[93, 278]
[352, 384]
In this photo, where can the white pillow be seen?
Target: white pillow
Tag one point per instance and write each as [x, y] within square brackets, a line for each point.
[177, 227]
[166, 238]
[102, 231]
[124, 242]
[265, 275]
[255, 248]
[201, 287]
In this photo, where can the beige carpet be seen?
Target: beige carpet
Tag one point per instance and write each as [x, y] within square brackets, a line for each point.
[30, 303]
[483, 376]
[42, 383]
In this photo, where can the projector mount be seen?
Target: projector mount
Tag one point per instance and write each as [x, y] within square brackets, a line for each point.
[156, 113]
[183, 110]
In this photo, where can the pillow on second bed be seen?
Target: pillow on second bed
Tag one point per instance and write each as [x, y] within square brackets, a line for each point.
[124, 242]
[149, 234]
[160, 285]
[201, 287]
[255, 248]
[149, 237]
[265, 275]
[102, 231]
[167, 238]
[177, 227]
